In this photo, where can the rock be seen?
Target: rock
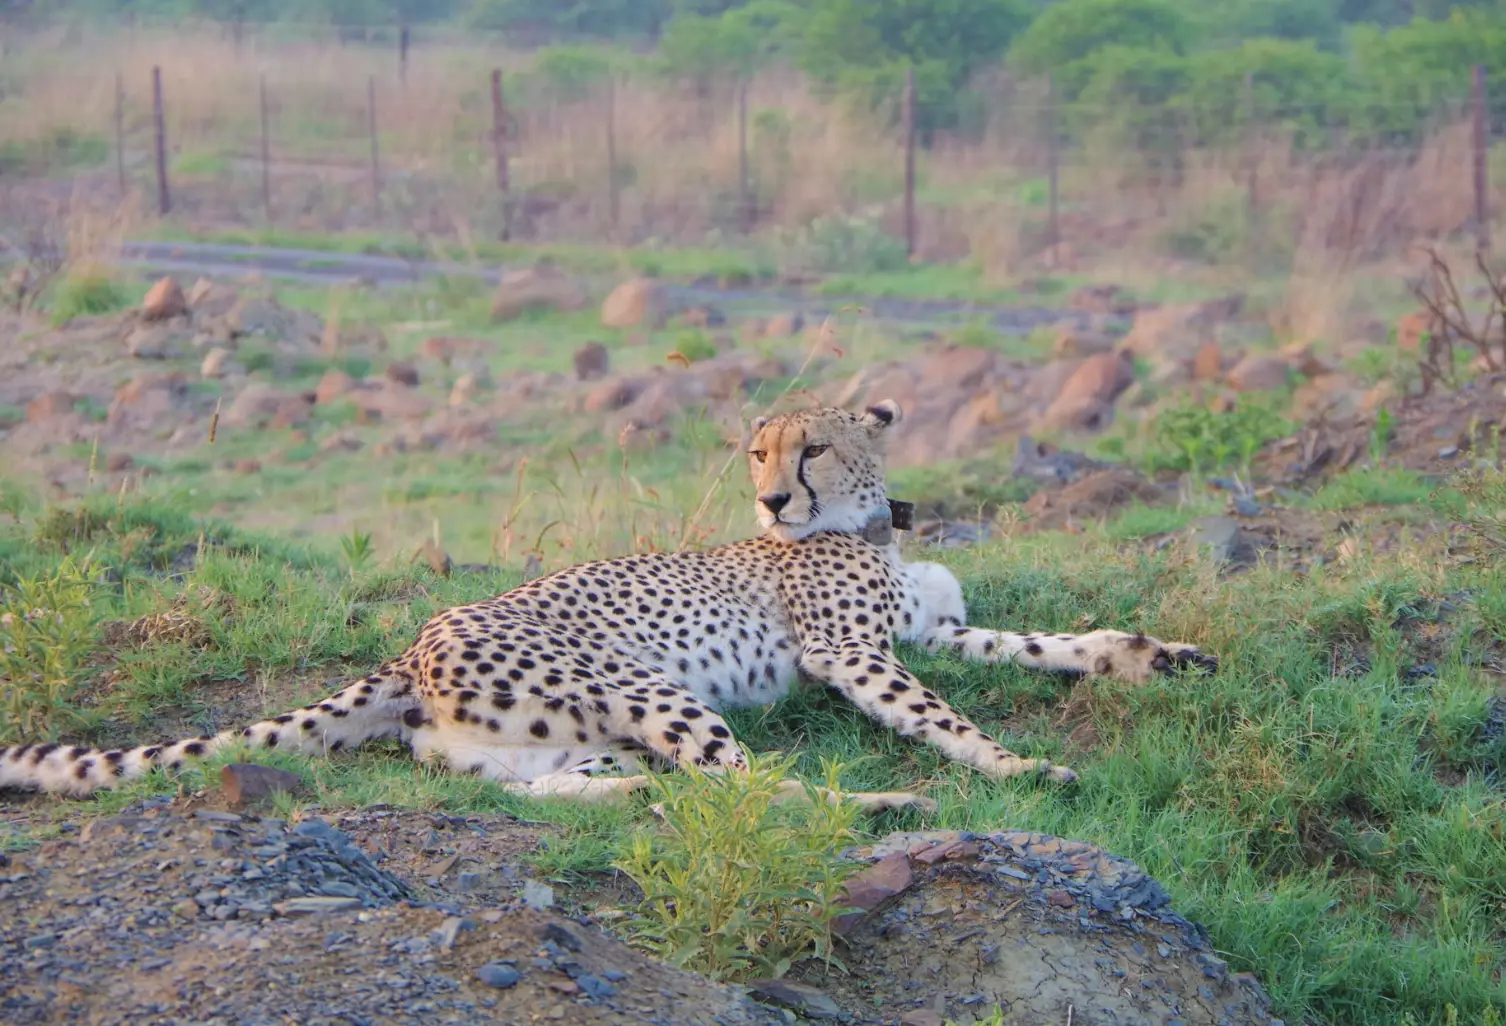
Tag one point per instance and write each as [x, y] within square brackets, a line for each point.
[499, 976]
[335, 384]
[445, 348]
[1072, 343]
[537, 895]
[1220, 536]
[958, 367]
[1102, 299]
[467, 387]
[148, 401]
[312, 906]
[438, 559]
[1301, 358]
[785, 325]
[700, 317]
[611, 395]
[259, 405]
[797, 997]
[387, 400]
[119, 462]
[49, 405]
[1328, 396]
[1176, 332]
[1412, 329]
[243, 783]
[592, 361]
[869, 889]
[153, 342]
[636, 302]
[216, 363]
[1257, 373]
[535, 288]
[403, 374]
[164, 300]
[247, 466]
[1086, 398]
[1208, 363]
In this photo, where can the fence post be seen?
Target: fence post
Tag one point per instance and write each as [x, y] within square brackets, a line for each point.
[376, 167]
[1053, 170]
[499, 151]
[164, 203]
[1481, 152]
[120, 132]
[612, 207]
[745, 197]
[402, 54]
[266, 150]
[1253, 149]
[908, 118]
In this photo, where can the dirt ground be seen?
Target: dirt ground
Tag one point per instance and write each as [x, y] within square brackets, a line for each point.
[180, 911]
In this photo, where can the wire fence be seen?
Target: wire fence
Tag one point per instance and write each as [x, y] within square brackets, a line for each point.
[322, 133]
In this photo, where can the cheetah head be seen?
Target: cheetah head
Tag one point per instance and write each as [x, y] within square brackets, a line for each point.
[820, 470]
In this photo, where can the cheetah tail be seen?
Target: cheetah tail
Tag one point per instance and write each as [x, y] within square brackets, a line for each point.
[370, 708]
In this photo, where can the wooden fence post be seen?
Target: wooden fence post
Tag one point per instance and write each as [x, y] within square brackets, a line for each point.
[499, 151]
[744, 190]
[120, 132]
[376, 166]
[1053, 171]
[612, 199]
[266, 150]
[1481, 155]
[164, 202]
[1252, 147]
[908, 118]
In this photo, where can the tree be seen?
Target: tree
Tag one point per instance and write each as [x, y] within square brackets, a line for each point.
[1409, 71]
[556, 19]
[1070, 32]
[864, 46]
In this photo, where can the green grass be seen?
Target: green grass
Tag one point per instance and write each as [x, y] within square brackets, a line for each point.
[1334, 833]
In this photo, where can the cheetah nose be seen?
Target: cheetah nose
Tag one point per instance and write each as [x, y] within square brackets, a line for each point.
[775, 501]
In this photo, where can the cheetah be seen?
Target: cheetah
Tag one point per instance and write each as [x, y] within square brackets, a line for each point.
[576, 683]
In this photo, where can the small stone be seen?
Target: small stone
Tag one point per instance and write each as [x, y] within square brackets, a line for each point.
[499, 976]
[468, 882]
[557, 934]
[40, 940]
[1059, 898]
[403, 374]
[450, 929]
[214, 816]
[1164, 950]
[801, 999]
[187, 909]
[316, 905]
[537, 895]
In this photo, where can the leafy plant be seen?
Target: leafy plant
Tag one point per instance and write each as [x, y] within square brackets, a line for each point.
[1196, 439]
[736, 885]
[357, 548]
[47, 629]
[841, 244]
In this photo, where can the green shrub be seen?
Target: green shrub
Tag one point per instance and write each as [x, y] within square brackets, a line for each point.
[87, 295]
[734, 885]
[1196, 439]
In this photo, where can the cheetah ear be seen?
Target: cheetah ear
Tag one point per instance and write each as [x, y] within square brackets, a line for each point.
[758, 424]
[881, 416]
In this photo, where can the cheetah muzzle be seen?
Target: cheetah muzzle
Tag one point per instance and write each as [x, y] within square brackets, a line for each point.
[575, 683]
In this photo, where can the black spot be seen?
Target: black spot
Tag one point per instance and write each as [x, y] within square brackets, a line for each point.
[271, 741]
[1031, 648]
[83, 768]
[193, 748]
[539, 729]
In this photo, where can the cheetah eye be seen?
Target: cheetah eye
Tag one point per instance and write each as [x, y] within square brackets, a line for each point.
[758, 454]
[812, 451]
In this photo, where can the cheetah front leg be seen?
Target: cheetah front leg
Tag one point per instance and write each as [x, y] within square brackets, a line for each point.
[1132, 657]
[880, 685]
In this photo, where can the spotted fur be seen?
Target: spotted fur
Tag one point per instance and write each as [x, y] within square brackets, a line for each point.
[564, 684]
